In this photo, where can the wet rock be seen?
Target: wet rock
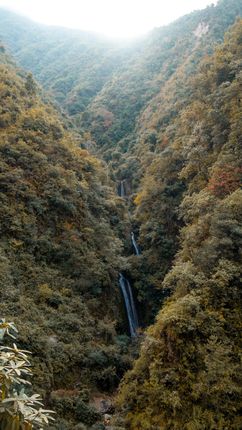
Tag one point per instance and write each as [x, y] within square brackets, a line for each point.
[104, 405]
[107, 419]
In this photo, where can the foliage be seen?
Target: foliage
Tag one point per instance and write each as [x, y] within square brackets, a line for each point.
[72, 65]
[188, 374]
[165, 114]
[59, 250]
[124, 100]
[18, 410]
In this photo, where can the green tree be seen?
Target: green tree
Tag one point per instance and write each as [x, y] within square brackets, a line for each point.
[18, 410]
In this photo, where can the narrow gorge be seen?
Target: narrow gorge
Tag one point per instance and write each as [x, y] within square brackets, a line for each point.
[120, 225]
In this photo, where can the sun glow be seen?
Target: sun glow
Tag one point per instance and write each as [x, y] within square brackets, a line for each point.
[114, 18]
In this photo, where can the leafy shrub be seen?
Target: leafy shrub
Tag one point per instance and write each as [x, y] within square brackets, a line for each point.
[18, 410]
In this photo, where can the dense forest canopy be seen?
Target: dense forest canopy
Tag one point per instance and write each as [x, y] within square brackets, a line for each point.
[105, 86]
[60, 257]
[188, 374]
[106, 147]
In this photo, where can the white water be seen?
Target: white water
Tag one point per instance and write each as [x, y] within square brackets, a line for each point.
[136, 248]
[129, 305]
[122, 189]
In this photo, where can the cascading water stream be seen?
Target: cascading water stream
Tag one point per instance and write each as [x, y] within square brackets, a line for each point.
[129, 304]
[122, 189]
[124, 283]
[136, 248]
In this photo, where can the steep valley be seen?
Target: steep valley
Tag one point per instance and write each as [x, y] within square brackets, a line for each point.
[120, 219]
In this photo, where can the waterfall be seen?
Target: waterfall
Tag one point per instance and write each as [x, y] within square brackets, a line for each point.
[124, 283]
[122, 188]
[129, 304]
[136, 248]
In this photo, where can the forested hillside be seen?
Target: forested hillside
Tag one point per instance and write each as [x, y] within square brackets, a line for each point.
[188, 375]
[153, 159]
[159, 201]
[119, 97]
[103, 85]
[59, 257]
[72, 65]
[112, 115]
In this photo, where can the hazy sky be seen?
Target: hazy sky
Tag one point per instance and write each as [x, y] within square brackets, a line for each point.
[118, 18]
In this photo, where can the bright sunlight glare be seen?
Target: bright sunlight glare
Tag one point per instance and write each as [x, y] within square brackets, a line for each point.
[113, 18]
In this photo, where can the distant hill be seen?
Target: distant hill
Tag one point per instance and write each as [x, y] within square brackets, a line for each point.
[104, 86]
[113, 114]
[72, 65]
